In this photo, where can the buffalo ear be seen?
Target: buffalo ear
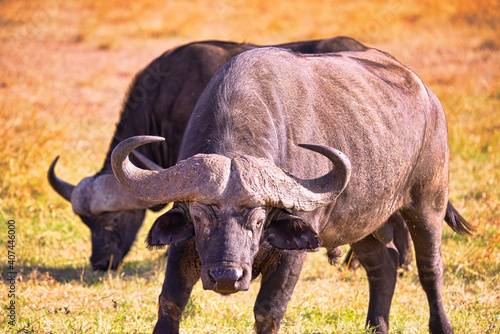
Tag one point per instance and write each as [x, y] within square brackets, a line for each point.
[169, 228]
[287, 231]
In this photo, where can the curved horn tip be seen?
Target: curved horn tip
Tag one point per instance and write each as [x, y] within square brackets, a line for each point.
[333, 154]
[120, 154]
[133, 142]
[53, 164]
[63, 188]
[126, 146]
[325, 150]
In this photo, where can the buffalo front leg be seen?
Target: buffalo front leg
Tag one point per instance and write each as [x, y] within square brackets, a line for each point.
[280, 273]
[380, 262]
[183, 271]
[426, 236]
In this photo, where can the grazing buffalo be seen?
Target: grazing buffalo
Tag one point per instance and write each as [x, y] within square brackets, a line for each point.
[285, 153]
[160, 103]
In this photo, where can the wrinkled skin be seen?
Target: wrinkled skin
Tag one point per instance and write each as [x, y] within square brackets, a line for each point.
[376, 111]
[160, 102]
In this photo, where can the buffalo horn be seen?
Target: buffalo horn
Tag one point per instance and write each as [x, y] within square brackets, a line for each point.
[263, 183]
[340, 174]
[248, 180]
[61, 187]
[201, 177]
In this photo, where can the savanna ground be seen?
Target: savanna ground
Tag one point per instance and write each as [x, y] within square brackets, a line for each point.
[64, 71]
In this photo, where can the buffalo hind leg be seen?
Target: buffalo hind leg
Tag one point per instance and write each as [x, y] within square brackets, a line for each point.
[380, 262]
[183, 271]
[426, 236]
[279, 277]
[401, 240]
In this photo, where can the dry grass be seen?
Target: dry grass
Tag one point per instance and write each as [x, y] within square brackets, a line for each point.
[64, 70]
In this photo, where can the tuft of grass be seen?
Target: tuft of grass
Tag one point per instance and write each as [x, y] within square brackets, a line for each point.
[65, 69]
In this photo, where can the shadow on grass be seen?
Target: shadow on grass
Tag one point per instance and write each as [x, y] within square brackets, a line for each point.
[86, 275]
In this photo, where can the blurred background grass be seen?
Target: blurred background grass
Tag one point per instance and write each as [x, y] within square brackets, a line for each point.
[64, 71]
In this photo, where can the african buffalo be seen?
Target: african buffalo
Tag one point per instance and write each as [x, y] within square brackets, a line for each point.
[253, 191]
[159, 102]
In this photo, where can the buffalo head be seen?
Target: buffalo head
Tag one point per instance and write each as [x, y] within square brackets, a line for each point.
[230, 206]
[111, 213]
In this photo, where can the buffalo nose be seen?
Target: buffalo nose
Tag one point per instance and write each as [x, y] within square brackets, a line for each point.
[104, 265]
[101, 266]
[225, 280]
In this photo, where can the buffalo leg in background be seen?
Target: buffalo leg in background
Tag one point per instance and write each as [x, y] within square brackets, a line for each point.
[402, 241]
[380, 263]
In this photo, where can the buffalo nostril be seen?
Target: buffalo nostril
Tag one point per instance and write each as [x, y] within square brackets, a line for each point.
[230, 274]
[225, 280]
[212, 279]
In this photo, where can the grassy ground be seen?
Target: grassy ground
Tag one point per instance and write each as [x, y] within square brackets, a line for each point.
[64, 70]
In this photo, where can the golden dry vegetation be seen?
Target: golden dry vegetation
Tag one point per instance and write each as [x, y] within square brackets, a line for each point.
[64, 71]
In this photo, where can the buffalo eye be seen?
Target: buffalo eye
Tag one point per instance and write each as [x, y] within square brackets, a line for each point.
[256, 218]
[259, 223]
[201, 214]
